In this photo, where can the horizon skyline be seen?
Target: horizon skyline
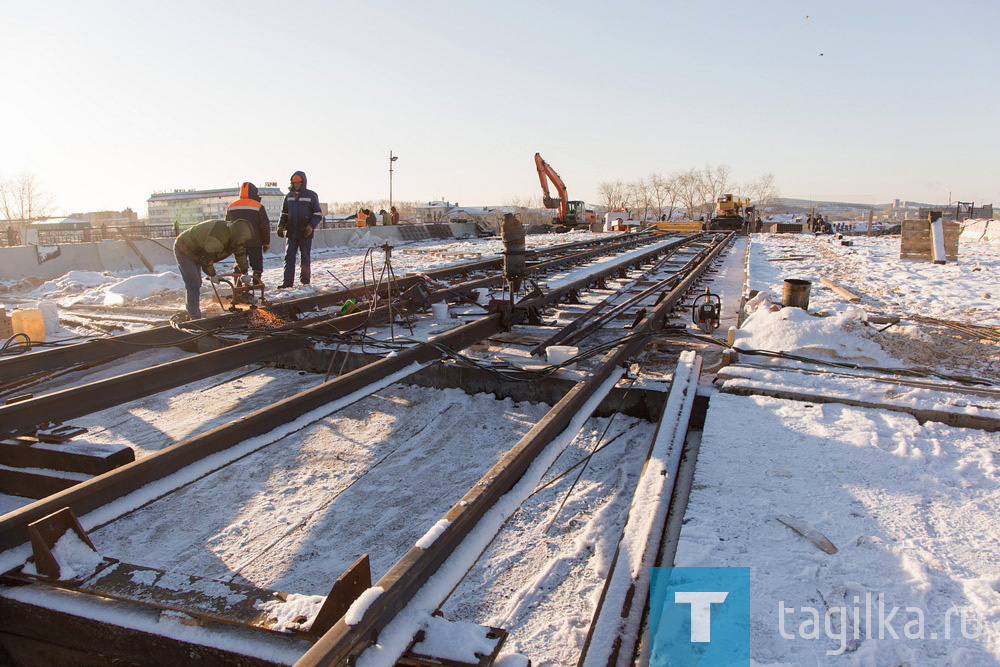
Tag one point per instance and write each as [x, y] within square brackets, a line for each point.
[66, 212]
[124, 101]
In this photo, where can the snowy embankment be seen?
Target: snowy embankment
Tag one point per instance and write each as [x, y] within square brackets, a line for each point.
[913, 509]
[330, 268]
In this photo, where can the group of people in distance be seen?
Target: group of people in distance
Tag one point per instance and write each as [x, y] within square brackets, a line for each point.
[365, 217]
[246, 234]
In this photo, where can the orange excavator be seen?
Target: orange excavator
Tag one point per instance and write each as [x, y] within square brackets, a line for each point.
[571, 213]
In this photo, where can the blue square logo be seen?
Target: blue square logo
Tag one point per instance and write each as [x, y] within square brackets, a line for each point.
[699, 616]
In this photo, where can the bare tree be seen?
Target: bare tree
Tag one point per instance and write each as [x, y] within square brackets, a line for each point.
[690, 191]
[22, 199]
[715, 181]
[763, 194]
[640, 194]
[613, 194]
[664, 194]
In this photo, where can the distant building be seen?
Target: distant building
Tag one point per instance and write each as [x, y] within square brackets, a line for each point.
[434, 211]
[97, 219]
[57, 230]
[443, 211]
[183, 208]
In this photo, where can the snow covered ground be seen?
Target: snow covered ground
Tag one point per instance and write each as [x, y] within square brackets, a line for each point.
[164, 288]
[912, 508]
[966, 291]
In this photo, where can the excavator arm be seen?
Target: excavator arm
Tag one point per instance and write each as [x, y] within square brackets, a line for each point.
[545, 174]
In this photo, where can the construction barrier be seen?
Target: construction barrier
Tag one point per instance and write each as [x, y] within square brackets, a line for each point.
[53, 261]
[981, 230]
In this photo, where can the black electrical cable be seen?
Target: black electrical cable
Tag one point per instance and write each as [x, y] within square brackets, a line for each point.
[11, 346]
[906, 372]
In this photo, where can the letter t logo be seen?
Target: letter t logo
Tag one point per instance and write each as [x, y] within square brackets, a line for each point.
[701, 615]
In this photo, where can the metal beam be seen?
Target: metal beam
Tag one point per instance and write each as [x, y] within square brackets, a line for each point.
[13, 369]
[25, 416]
[101, 490]
[344, 643]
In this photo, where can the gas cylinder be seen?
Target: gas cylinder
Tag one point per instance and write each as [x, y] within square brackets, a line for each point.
[29, 321]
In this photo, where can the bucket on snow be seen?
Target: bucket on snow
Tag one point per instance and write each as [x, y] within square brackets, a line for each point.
[796, 294]
[558, 354]
[440, 310]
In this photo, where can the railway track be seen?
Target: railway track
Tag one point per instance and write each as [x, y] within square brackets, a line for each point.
[651, 282]
[18, 368]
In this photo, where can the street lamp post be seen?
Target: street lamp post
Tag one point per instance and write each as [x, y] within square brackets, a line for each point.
[392, 158]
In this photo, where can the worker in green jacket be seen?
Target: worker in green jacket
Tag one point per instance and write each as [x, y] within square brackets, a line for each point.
[199, 247]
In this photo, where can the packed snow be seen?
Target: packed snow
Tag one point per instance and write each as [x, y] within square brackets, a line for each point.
[912, 508]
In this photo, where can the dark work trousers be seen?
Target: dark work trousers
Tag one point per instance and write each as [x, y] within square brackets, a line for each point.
[255, 256]
[303, 247]
[191, 274]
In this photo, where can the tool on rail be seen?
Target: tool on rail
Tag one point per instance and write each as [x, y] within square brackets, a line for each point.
[247, 290]
[706, 311]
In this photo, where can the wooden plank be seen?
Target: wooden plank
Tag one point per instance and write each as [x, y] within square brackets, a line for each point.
[209, 599]
[732, 373]
[29, 627]
[841, 290]
[989, 424]
[70, 458]
[33, 484]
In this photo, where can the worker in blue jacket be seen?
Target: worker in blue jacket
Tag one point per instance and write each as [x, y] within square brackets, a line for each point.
[300, 215]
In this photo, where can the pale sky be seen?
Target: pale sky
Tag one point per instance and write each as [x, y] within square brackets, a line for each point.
[107, 102]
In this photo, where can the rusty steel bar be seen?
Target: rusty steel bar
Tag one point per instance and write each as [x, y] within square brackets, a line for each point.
[101, 490]
[24, 416]
[23, 366]
[343, 643]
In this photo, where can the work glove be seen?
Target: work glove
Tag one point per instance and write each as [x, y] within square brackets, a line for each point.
[307, 232]
[216, 279]
[281, 232]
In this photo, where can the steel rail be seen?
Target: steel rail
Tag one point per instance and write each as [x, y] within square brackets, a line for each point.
[343, 643]
[99, 491]
[23, 366]
[25, 416]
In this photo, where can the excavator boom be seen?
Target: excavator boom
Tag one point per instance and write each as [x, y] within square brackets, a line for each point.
[545, 174]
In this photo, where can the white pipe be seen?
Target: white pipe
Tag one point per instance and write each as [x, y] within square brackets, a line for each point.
[937, 241]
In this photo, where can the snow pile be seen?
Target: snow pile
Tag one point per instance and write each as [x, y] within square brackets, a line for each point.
[75, 281]
[357, 611]
[431, 535]
[297, 612]
[46, 252]
[451, 640]
[364, 239]
[839, 336]
[142, 287]
[75, 557]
